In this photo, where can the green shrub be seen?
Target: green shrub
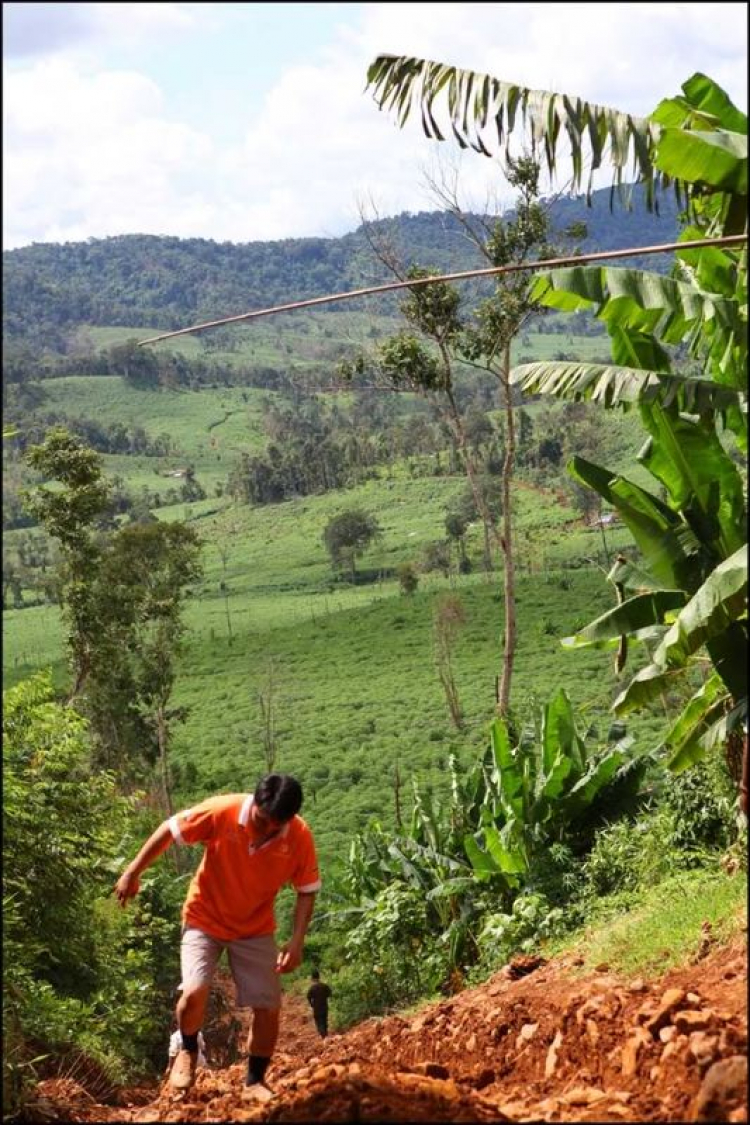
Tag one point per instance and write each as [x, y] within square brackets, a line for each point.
[628, 854]
[84, 979]
[702, 800]
[394, 939]
[530, 921]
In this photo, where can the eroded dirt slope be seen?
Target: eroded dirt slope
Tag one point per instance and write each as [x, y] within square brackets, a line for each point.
[538, 1041]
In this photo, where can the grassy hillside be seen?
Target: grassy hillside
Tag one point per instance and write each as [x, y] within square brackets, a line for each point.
[356, 686]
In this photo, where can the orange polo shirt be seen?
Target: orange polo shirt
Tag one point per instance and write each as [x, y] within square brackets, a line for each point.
[233, 891]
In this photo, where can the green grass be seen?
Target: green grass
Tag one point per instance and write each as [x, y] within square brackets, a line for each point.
[306, 339]
[661, 927]
[533, 347]
[209, 428]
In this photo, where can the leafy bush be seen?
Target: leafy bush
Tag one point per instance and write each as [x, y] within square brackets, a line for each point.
[702, 802]
[692, 824]
[83, 979]
[530, 921]
[393, 938]
[629, 854]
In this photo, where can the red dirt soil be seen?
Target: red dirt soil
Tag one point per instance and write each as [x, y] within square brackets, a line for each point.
[539, 1041]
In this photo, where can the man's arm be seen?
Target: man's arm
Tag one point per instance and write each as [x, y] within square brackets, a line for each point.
[290, 954]
[129, 882]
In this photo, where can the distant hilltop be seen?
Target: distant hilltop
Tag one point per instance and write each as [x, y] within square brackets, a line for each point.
[167, 282]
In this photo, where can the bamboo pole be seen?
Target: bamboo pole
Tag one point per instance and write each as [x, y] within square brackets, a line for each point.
[598, 256]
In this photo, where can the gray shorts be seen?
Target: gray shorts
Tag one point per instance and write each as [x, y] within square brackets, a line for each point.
[252, 962]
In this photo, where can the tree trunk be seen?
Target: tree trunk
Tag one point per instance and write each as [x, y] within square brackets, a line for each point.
[503, 695]
[487, 552]
[397, 796]
[162, 738]
[229, 619]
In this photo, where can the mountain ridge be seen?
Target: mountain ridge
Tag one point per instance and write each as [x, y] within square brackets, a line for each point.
[165, 281]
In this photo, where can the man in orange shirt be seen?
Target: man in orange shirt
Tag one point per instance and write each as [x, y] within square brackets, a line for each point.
[253, 845]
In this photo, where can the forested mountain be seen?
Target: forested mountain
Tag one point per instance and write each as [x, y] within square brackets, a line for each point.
[167, 282]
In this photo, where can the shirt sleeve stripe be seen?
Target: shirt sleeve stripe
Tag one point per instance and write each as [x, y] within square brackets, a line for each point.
[309, 888]
[174, 828]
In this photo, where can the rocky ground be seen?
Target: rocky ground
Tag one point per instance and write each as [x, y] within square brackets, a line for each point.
[539, 1041]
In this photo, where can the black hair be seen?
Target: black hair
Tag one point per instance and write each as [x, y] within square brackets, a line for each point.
[315, 974]
[279, 796]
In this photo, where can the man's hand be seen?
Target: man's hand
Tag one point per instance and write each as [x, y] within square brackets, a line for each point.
[127, 886]
[289, 957]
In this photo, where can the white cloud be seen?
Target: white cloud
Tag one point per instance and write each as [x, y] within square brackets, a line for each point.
[92, 151]
[94, 155]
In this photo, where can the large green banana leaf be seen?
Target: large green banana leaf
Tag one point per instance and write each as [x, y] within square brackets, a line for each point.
[683, 740]
[597, 776]
[645, 303]
[712, 617]
[718, 158]
[510, 861]
[669, 548]
[628, 575]
[610, 385]
[483, 864]
[509, 777]
[559, 736]
[703, 482]
[632, 616]
[473, 101]
[704, 106]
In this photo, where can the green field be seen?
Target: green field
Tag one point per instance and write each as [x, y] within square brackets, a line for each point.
[356, 685]
[316, 338]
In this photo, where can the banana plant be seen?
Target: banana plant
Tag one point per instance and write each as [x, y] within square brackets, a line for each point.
[540, 788]
[693, 545]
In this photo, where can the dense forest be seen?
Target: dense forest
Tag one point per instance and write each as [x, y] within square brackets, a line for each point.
[160, 282]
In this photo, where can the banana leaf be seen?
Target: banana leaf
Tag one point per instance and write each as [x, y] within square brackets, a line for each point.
[630, 616]
[702, 98]
[559, 736]
[474, 101]
[610, 386]
[690, 461]
[510, 861]
[650, 682]
[718, 158]
[720, 600]
[599, 774]
[510, 777]
[666, 544]
[482, 863]
[682, 741]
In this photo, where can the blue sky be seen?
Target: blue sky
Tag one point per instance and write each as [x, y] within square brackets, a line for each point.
[250, 121]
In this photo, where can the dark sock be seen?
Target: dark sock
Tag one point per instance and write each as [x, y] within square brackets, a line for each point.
[190, 1042]
[257, 1065]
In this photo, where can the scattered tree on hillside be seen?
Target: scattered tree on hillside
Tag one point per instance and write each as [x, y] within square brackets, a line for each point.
[437, 556]
[449, 617]
[442, 338]
[74, 515]
[225, 530]
[268, 699]
[408, 578]
[122, 593]
[348, 535]
[147, 570]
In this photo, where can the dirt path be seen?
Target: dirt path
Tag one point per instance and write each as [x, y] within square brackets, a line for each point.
[537, 1042]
